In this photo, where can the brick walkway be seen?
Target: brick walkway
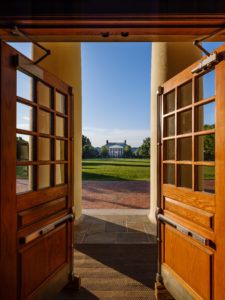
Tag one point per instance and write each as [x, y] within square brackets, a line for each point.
[116, 194]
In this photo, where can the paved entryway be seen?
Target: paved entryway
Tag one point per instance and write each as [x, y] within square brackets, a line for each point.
[113, 227]
[116, 194]
[115, 255]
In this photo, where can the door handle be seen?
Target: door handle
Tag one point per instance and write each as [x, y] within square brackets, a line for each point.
[186, 231]
[36, 234]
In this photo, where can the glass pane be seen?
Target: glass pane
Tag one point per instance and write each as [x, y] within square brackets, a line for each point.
[44, 94]
[206, 116]
[185, 176]
[185, 95]
[45, 176]
[60, 103]
[24, 179]
[60, 126]
[185, 122]
[45, 122]
[169, 126]
[45, 149]
[24, 117]
[24, 87]
[24, 147]
[169, 102]
[205, 86]
[60, 150]
[168, 174]
[184, 148]
[206, 179]
[169, 150]
[60, 174]
[206, 147]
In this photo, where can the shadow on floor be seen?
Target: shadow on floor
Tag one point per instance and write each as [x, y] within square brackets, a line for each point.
[124, 243]
[115, 257]
[81, 294]
[134, 261]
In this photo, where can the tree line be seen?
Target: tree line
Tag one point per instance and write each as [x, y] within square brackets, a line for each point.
[88, 151]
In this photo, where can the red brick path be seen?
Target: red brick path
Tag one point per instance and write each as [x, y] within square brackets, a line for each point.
[116, 194]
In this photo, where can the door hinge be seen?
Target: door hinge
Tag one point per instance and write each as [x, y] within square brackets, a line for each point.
[158, 211]
[71, 91]
[159, 90]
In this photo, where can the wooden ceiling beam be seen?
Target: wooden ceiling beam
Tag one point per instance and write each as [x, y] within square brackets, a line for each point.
[149, 28]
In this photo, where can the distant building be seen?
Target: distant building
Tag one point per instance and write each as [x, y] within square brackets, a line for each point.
[116, 149]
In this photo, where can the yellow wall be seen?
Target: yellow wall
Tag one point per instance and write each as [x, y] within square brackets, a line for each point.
[65, 63]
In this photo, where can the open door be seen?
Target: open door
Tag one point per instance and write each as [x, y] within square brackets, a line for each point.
[191, 210]
[36, 180]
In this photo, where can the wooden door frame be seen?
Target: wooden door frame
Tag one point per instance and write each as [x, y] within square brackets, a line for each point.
[217, 207]
[11, 227]
[163, 30]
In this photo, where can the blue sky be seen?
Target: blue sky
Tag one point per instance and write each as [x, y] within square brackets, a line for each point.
[116, 90]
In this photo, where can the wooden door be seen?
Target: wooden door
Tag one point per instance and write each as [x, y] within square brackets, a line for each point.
[192, 214]
[36, 179]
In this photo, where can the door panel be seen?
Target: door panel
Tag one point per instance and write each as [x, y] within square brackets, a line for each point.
[192, 180]
[189, 260]
[50, 254]
[32, 215]
[190, 213]
[36, 179]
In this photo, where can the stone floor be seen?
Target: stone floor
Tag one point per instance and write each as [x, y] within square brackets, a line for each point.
[115, 255]
[109, 227]
[116, 194]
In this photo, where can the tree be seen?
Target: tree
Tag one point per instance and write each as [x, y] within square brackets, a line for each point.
[85, 141]
[127, 152]
[209, 144]
[144, 150]
[104, 151]
[209, 147]
[88, 151]
[137, 153]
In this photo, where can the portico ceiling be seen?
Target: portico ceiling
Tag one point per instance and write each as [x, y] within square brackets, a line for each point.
[99, 20]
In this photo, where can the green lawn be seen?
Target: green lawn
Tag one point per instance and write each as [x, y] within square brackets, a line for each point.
[116, 169]
[22, 172]
[209, 172]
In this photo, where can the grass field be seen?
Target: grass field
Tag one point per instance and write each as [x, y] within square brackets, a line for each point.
[116, 169]
[22, 172]
[209, 172]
